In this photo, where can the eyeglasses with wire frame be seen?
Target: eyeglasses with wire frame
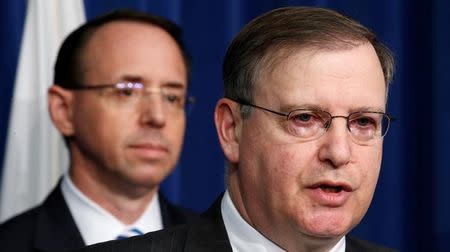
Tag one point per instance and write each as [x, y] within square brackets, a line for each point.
[309, 124]
[174, 98]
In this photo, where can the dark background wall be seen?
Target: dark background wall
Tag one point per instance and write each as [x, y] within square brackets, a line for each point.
[411, 207]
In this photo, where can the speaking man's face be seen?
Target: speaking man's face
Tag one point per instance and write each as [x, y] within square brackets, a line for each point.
[292, 189]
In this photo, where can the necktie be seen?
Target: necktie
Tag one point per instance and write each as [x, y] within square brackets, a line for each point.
[129, 233]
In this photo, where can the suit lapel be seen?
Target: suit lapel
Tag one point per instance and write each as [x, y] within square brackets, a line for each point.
[169, 213]
[356, 245]
[173, 215]
[55, 229]
[209, 234]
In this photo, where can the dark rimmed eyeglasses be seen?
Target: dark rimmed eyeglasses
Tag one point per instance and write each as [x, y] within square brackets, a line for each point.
[310, 124]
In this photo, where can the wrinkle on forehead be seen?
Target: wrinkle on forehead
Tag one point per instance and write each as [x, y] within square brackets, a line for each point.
[279, 55]
[317, 72]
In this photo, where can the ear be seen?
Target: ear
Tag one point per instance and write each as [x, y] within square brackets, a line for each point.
[228, 125]
[60, 107]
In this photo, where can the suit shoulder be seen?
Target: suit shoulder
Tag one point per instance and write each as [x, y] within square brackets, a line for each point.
[354, 245]
[26, 219]
[19, 230]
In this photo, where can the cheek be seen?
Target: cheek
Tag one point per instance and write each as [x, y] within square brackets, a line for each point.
[175, 130]
[372, 167]
[282, 169]
[291, 162]
[87, 122]
[285, 167]
[273, 169]
[100, 127]
[370, 170]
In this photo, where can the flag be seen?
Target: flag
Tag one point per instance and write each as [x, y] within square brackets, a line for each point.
[35, 154]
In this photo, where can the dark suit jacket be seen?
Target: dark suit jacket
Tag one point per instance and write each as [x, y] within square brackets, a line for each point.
[206, 234]
[51, 227]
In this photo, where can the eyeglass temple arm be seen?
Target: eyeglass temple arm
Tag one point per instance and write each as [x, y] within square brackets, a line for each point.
[245, 103]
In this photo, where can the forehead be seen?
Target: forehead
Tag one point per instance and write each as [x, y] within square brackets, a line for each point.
[132, 48]
[344, 79]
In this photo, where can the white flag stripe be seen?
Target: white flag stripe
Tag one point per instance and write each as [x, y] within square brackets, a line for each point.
[35, 154]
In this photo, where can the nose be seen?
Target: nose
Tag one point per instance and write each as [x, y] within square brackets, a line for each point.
[152, 110]
[335, 146]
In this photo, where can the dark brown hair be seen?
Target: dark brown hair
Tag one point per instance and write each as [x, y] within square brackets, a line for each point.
[274, 35]
[68, 66]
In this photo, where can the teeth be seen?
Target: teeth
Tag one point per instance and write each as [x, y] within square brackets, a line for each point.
[331, 189]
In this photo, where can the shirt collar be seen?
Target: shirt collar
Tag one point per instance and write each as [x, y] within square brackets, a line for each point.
[243, 237]
[98, 225]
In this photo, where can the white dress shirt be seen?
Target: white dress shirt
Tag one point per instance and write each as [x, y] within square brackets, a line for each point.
[98, 225]
[243, 237]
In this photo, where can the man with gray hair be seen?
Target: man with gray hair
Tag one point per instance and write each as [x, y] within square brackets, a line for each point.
[301, 125]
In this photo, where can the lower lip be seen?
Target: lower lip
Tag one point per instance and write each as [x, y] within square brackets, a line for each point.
[329, 199]
[149, 152]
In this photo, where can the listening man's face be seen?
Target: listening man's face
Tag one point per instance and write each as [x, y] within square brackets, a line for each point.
[125, 139]
[292, 190]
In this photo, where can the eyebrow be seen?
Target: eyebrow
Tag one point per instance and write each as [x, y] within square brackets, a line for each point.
[168, 84]
[290, 107]
[177, 85]
[368, 109]
[131, 78]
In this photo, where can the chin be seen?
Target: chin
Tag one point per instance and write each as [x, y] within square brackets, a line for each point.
[154, 171]
[329, 226]
[330, 233]
[146, 179]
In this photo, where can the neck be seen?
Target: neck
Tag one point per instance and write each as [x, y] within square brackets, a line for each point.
[124, 200]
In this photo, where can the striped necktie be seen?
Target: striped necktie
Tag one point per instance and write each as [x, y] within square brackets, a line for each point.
[129, 233]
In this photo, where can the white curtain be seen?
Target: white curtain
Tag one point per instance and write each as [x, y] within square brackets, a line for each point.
[35, 155]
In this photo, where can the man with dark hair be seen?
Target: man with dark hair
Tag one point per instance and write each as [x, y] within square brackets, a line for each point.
[119, 97]
[301, 126]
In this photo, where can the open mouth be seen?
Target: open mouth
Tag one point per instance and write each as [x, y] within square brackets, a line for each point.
[330, 193]
[331, 189]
